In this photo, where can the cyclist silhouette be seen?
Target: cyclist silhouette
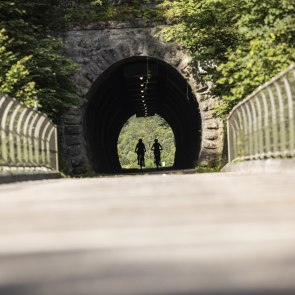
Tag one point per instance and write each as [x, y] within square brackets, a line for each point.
[157, 153]
[140, 150]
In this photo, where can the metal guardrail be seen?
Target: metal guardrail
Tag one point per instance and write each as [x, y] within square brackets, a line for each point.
[262, 125]
[28, 139]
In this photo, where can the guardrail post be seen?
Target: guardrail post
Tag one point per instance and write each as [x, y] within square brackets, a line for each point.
[246, 133]
[37, 145]
[26, 138]
[12, 135]
[4, 133]
[20, 136]
[259, 128]
[290, 115]
[229, 142]
[56, 148]
[282, 118]
[251, 131]
[274, 128]
[267, 147]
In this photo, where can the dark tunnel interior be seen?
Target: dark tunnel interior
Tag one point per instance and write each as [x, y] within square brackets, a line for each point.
[140, 86]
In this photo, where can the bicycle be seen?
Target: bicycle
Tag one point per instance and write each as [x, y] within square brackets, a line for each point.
[141, 161]
[157, 159]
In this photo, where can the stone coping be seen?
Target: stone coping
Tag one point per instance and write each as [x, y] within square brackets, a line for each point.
[17, 177]
[262, 166]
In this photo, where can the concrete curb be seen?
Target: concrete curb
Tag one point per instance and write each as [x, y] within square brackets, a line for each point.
[17, 177]
[261, 166]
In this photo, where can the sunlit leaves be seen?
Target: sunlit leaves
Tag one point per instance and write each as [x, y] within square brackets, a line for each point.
[240, 44]
[14, 73]
[31, 59]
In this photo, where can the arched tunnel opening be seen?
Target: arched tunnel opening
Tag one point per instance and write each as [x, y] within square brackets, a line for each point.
[148, 129]
[141, 86]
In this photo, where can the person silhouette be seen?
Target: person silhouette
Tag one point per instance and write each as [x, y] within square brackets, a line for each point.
[140, 150]
[157, 148]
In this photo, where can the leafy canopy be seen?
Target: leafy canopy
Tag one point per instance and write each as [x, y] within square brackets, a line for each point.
[32, 63]
[239, 45]
[92, 11]
[14, 73]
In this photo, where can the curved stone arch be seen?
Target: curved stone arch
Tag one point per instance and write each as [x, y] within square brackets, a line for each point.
[95, 61]
[98, 50]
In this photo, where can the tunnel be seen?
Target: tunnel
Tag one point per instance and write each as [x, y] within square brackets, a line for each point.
[141, 86]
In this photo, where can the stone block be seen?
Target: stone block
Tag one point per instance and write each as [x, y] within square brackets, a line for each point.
[73, 140]
[79, 170]
[211, 135]
[74, 112]
[124, 49]
[75, 151]
[204, 107]
[207, 151]
[110, 55]
[77, 161]
[73, 130]
[73, 119]
[210, 145]
[89, 77]
[211, 125]
[208, 115]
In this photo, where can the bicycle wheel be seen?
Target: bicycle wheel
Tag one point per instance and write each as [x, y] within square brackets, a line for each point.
[141, 162]
[157, 160]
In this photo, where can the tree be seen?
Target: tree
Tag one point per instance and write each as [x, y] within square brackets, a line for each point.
[14, 73]
[148, 129]
[36, 55]
[238, 44]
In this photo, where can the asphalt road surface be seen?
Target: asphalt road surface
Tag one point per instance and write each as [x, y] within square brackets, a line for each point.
[205, 234]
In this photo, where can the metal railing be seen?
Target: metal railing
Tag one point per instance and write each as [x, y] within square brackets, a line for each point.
[262, 125]
[28, 139]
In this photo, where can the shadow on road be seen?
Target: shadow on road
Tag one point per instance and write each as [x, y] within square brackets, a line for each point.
[30, 290]
[161, 170]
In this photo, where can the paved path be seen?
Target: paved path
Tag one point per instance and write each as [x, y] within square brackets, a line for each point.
[207, 234]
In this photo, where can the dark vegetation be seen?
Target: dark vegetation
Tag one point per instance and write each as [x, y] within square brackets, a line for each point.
[32, 64]
[236, 45]
[85, 12]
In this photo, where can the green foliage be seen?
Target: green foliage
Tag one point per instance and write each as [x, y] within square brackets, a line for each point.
[31, 58]
[85, 12]
[148, 129]
[209, 169]
[14, 73]
[96, 2]
[239, 45]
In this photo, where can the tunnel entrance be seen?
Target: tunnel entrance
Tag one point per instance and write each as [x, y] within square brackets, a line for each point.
[148, 129]
[141, 86]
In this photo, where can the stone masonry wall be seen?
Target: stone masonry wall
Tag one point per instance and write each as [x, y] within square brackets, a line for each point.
[95, 48]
